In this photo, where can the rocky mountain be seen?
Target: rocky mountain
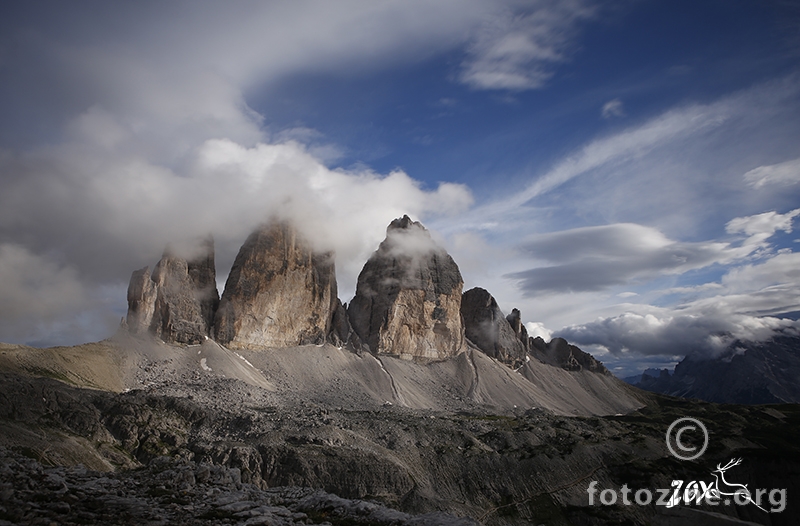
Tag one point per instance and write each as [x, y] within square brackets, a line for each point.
[280, 292]
[416, 404]
[748, 373]
[177, 301]
[560, 353]
[408, 296]
[281, 295]
[651, 372]
[488, 328]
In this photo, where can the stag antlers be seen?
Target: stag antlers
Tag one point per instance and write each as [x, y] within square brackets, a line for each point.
[733, 462]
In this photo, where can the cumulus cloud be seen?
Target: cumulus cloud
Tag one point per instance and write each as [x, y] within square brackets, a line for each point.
[673, 334]
[761, 227]
[108, 214]
[536, 329]
[781, 174]
[612, 108]
[747, 304]
[150, 139]
[517, 51]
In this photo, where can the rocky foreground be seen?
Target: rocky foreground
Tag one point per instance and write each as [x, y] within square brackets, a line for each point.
[176, 491]
[215, 451]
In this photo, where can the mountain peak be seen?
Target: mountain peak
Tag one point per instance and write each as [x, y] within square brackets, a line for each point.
[408, 296]
[279, 293]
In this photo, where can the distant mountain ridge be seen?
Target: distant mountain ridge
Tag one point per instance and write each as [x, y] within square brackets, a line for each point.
[749, 373]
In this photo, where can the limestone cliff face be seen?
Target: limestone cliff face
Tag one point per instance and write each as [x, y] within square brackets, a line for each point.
[142, 294]
[493, 333]
[279, 292]
[408, 297]
[177, 302]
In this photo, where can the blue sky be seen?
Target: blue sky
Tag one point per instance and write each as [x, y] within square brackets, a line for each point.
[627, 174]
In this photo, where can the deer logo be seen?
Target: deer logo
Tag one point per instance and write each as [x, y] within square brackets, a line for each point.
[722, 487]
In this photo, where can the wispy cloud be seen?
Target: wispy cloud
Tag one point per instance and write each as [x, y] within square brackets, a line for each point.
[649, 168]
[596, 258]
[612, 109]
[518, 50]
[781, 174]
[746, 304]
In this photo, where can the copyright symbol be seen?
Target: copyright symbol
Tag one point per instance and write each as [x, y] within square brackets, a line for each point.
[688, 424]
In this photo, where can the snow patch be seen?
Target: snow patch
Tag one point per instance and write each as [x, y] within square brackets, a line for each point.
[244, 359]
[203, 365]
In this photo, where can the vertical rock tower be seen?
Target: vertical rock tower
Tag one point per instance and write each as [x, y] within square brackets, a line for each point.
[408, 297]
[493, 333]
[177, 301]
[279, 293]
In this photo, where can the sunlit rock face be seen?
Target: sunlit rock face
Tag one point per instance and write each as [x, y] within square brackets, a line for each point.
[177, 301]
[492, 332]
[279, 293]
[408, 297]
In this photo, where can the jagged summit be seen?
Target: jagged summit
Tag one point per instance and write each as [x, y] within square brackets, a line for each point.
[177, 301]
[747, 373]
[280, 328]
[560, 353]
[282, 293]
[408, 296]
[490, 330]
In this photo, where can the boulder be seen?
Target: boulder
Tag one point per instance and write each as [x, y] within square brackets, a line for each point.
[280, 292]
[408, 297]
[490, 330]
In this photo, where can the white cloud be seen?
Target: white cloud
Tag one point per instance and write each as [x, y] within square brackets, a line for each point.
[633, 143]
[516, 51]
[627, 295]
[612, 108]
[152, 140]
[109, 214]
[762, 226]
[536, 329]
[747, 305]
[783, 268]
[668, 333]
[781, 174]
[651, 171]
